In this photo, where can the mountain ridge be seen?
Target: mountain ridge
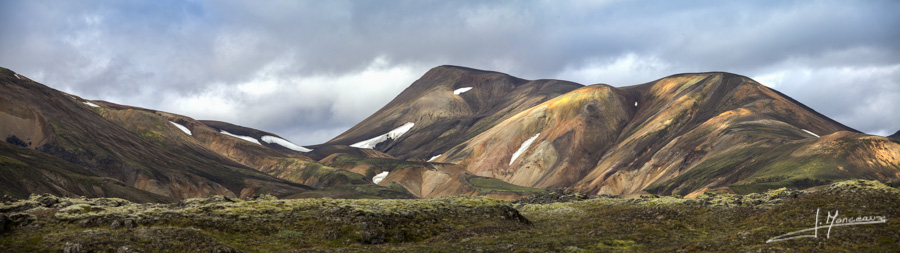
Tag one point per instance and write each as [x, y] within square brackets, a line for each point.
[650, 148]
[454, 131]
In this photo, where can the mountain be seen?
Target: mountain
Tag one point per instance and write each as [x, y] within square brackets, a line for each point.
[895, 135]
[443, 108]
[134, 149]
[62, 144]
[683, 134]
[454, 131]
[447, 105]
[255, 149]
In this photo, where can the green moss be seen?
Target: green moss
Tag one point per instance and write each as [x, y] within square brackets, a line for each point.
[711, 222]
[65, 138]
[492, 185]
[150, 135]
[690, 83]
[9, 161]
[267, 223]
[380, 163]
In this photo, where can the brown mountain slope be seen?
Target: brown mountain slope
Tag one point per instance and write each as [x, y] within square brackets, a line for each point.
[681, 134]
[714, 130]
[428, 180]
[895, 135]
[248, 147]
[571, 132]
[441, 118]
[25, 171]
[149, 156]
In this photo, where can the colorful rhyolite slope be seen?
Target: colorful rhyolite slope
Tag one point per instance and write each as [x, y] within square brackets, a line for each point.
[683, 134]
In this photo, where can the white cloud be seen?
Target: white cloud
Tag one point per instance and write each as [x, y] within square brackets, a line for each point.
[357, 95]
[626, 69]
[308, 70]
[771, 79]
[267, 99]
[861, 97]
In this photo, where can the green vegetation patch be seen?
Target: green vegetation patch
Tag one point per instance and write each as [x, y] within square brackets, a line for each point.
[381, 163]
[711, 222]
[262, 224]
[486, 185]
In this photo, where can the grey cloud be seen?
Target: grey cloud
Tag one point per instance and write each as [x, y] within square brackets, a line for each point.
[176, 55]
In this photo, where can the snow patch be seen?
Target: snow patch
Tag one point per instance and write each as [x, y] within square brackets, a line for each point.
[522, 148]
[246, 138]
[377, 178]
[393, 135]
[635, 103]
[17, 76]
[461, 90]
[433, 157]
[182, 128]
[90, 104]
[284, 143]
[813, 134]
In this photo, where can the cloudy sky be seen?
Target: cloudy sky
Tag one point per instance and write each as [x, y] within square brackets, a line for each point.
[308, 70]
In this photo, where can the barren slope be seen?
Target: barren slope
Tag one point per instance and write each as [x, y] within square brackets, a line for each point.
[150, 156]
[444, 111]
[682, 134]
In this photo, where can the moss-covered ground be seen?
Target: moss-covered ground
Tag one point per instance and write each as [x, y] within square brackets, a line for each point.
[486, 185]
[711, 222]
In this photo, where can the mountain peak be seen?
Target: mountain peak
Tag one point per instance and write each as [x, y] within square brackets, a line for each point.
[461, 68]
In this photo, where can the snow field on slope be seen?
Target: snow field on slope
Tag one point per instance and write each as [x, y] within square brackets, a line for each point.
[377, 178]
[393, 134]
[246, 138]
[811, 133]
[284, 143]
[182, 128]
[461, 90]
[522, 148]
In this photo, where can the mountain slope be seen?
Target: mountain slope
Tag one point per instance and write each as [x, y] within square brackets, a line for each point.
[427, 180]
[446, 106]
[570, 134]
[455, 131]
[249, 147]
[150, 156]
[683, 134]
[895, 135]
[26, 171]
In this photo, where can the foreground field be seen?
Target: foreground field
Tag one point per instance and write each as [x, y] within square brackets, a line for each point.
[852, 215]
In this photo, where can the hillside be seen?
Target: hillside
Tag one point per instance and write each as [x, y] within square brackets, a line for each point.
[446, 106]
[712, 222]
[455, 131]
[62, 144]
[683, 134]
